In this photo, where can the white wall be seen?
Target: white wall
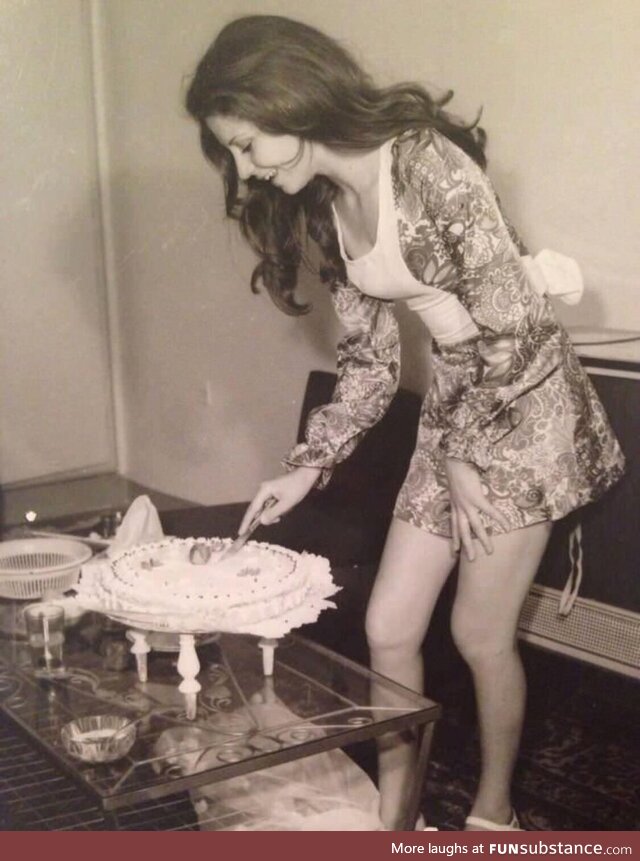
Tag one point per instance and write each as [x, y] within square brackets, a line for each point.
[213, 376]
[55, 394]
[559, 85]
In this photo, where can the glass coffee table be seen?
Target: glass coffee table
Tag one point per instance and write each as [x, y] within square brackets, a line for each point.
[246, 723]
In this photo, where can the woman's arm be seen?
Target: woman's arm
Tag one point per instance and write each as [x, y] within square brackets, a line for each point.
[520, 342]
[286, 491]
[368, 369]
[459, 236]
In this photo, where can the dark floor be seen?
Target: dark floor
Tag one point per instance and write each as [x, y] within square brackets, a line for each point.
[579, 763]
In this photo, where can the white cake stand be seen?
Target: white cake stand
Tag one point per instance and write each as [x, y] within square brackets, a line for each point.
[94, 592]
[189, 664]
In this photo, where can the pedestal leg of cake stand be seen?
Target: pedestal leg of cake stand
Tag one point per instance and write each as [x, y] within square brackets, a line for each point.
[268, 646]
[189, 667]
[140, 649]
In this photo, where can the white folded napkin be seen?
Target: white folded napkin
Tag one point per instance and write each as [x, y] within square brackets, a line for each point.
[140, 525]
[555, 274]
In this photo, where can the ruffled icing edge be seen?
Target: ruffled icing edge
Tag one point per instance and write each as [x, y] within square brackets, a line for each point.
[280, 620]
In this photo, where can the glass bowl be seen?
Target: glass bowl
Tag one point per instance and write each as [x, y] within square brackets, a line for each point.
[99, 738]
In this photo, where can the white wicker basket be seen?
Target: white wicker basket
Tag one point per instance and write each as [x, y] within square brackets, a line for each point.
[32, 567]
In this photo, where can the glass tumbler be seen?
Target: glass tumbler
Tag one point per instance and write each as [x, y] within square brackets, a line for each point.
[45, 635]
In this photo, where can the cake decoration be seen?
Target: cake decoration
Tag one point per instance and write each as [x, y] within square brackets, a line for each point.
[182, 585]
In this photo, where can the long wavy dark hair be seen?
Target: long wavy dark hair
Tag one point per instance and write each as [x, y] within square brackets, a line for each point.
[288, 78]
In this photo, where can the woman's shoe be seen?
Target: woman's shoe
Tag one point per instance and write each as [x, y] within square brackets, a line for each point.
[488, 825]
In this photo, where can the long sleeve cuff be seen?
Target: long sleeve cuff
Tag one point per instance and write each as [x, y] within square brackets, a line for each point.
[475, 450]
[305, 455]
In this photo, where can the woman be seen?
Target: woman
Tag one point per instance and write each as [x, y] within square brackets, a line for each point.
[393, 192]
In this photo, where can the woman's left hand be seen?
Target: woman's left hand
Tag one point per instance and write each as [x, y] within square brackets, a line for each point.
[467, 502]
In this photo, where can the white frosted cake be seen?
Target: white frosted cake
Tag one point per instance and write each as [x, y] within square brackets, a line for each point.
[261, 582]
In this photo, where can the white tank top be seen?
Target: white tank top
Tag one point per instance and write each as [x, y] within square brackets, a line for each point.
[382, 272]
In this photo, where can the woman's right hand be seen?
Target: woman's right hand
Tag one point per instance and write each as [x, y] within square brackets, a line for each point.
[468, 503]
[288, 490]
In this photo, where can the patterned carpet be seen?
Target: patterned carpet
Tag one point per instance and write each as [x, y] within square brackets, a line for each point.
[579, 764]
[579, 767]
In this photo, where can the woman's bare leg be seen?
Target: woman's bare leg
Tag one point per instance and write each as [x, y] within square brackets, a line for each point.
[413, 569]
[491, 592]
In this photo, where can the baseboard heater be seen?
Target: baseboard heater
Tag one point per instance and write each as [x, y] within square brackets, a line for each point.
[593, 632]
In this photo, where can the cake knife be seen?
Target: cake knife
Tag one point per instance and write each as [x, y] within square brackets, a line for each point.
[242, 539]
[200, 553]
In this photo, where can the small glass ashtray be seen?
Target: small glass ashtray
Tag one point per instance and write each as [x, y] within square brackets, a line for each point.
[99, 738]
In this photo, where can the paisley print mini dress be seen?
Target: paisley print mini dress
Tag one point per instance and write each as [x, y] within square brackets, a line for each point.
[508, 395]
